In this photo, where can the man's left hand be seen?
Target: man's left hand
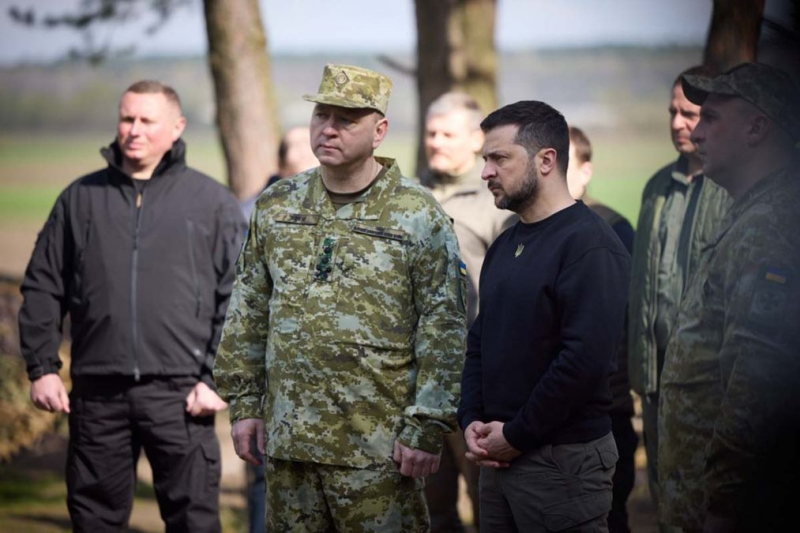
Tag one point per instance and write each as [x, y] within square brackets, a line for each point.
[415, 463]
[493, 441]
[202, 401]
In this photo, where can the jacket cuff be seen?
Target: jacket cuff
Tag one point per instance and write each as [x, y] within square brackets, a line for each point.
[517, 437]
[427, 438]
[245, 407]
[49, 367]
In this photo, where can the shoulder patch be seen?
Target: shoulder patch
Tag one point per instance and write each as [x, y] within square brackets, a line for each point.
[770, 296]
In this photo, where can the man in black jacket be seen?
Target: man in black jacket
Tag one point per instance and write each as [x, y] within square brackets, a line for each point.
[553, 292]
[141, 255]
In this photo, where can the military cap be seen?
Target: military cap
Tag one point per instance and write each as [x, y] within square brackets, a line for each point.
[354, 87]
[769, 89]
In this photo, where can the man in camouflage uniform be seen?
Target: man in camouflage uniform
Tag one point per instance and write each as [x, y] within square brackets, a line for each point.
[343, 344]
[680, 214]
[730, 410]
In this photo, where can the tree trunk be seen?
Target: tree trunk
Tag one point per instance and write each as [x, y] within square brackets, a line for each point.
[733, 35]
[240, 67]
[455, 52]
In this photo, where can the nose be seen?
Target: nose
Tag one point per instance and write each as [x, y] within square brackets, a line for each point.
[488, 171]
[698, 136]
[136, 126]
[676, 123]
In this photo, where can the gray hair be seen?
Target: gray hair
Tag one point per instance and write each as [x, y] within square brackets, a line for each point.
[455, 101]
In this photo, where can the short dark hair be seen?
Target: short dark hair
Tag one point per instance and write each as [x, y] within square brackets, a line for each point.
[540, 126]
[697, 70]
[156, 87]
[581, 145]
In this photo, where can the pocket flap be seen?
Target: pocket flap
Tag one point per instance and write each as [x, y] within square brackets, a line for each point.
[297, 218]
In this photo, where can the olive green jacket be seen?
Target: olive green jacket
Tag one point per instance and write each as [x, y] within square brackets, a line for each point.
[346, 329]
[642, 304]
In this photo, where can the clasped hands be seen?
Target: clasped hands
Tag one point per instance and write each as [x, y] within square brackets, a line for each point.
[487, 446]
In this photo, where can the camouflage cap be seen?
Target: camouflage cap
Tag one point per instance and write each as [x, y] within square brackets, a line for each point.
[354, 87]
[769, 89]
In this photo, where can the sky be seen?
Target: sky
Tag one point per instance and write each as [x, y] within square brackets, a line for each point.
[380, 26]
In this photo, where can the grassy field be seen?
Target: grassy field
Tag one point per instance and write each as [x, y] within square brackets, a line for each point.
[35, 168]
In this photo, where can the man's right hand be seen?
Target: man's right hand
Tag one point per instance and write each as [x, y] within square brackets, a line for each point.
[475, 453]
[49, 394]
[242, 433]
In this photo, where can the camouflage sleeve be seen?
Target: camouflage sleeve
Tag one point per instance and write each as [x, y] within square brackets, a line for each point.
[756, 431]
[439, 288]
[239, 370]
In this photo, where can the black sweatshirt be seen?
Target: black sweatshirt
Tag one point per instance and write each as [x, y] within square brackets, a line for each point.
[146, 286]
[552, 306]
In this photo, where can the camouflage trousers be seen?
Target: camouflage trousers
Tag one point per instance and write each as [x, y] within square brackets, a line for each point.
[313, 497]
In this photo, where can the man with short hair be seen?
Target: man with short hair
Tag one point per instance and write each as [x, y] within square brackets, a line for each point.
[535, 381]
[680, 215]
[579, 175]
[141, 256]
[453, 138]
[729, 415]
[343, 345]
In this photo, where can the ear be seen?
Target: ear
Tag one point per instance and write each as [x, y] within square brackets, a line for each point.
[758, 129]
[178, 127]
[381, 129]
[547, 160]
[586, 171]
[476, 139]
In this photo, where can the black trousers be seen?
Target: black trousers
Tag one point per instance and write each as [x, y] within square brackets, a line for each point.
[441, 488]
[111, 420]
[625, 474]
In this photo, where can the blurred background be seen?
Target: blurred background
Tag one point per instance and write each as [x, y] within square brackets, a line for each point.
[241, 67]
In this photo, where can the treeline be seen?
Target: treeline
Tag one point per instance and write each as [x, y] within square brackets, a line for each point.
[601, 87]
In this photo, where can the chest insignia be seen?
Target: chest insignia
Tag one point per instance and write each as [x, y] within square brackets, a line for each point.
[519, 250]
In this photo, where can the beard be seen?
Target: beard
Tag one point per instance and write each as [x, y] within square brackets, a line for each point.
[525, 195]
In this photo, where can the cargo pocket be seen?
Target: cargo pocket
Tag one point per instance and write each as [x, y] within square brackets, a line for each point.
[571, 513]
[213, 466]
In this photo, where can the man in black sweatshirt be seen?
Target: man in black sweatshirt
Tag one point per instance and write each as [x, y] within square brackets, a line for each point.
[141, 254]
[553, 291]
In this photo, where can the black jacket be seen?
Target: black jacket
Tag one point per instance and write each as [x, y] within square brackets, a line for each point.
[146, 287]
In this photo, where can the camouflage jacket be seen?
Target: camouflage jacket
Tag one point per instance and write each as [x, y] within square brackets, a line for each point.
[476, 220]
[729, 407]
[642, 300]
[346, 328]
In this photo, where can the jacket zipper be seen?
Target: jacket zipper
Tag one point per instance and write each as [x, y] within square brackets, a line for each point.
[138, 207]
[197, 295]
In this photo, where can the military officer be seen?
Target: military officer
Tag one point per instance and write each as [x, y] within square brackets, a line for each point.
[729, 415]
[342, 349]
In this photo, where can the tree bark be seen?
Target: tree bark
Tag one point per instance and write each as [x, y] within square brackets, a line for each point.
[455, 52]
[733, 35]
[240, 66]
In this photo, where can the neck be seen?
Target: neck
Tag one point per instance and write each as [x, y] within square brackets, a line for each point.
[465, 168]
[352, 178]
[753, 171]
[138, 172]
[546, 205]
[695, 166]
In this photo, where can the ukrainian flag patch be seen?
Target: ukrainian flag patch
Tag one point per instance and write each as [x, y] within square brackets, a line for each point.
[462, 267]
[775, 275]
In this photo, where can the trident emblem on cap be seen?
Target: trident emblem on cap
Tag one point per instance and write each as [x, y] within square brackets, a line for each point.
[341, 79]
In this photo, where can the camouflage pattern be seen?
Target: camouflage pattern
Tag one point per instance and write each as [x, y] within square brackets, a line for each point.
[713, 203]
[346, 328]
[354, 87]
[731, 375]
[313, 498]
[768, 88]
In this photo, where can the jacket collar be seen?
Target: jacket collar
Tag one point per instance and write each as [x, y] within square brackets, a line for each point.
[174, 159]
[466, 183]
[368, 206]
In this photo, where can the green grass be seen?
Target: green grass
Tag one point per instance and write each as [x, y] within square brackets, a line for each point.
[35, 168]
